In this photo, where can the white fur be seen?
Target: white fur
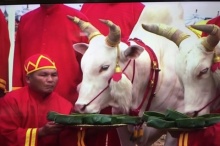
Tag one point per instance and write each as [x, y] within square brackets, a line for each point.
[121, 92]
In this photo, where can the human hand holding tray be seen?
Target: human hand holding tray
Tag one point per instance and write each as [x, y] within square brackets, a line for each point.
[92, 120]
[173, 120]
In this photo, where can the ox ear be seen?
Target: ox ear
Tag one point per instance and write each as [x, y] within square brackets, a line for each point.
[133, 51]
[80, 47]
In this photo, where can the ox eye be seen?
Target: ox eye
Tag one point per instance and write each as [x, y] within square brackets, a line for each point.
[103, 68]
[204, 71]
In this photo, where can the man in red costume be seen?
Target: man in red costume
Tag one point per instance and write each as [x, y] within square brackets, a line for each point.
[23, 118]
[47, 30]
[4, 54]
[125, 15]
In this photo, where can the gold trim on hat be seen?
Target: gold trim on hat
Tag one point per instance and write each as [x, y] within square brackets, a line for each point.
[37, 63]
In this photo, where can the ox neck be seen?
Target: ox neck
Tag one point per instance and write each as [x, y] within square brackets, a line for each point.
[152, 82]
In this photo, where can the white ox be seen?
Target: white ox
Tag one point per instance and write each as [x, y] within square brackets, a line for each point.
[98, 68]
[98, 90]
[172, 14]
[194, 66]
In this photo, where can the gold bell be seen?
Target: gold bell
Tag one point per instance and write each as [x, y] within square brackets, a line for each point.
[216, 58]
[117, 68]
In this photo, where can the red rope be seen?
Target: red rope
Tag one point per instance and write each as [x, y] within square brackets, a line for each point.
[197, 112]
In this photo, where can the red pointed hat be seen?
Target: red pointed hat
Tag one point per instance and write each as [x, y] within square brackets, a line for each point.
[37, 62]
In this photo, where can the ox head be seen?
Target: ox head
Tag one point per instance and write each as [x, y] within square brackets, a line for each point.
[193, 65]
[103, 82]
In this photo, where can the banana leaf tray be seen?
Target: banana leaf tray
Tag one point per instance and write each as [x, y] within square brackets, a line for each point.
[93, 120]
[173, 120]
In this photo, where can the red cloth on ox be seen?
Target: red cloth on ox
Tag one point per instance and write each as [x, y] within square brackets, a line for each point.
[4, 54]
[23, 112]
[47, 30]
[125, 15]
[215, 21]
[207, 137]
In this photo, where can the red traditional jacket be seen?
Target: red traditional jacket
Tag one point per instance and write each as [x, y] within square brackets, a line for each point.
[125, 15]
[24, 111]
[4, 53]
[47, 30]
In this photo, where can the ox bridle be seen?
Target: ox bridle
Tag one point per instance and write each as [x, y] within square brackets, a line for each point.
[195, 113]
[153, 78]
[151, 85]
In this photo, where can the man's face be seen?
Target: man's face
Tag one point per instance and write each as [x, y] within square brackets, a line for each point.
[43, 81]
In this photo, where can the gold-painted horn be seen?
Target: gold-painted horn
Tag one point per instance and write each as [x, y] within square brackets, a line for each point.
[212, 39]
[171, 33]
[114, 36]
[209, 28]
[86, 27]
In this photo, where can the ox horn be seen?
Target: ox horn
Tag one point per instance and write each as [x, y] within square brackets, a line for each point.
[114, 36]
[86, 27]
[173, 34]
[212, 39]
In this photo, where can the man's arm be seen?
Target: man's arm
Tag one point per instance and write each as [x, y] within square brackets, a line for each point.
[12, 123]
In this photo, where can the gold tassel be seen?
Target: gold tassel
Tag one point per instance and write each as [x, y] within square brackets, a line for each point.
[140, 132]
[135, 134]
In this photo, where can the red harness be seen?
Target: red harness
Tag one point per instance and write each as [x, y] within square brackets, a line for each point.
[152, 83]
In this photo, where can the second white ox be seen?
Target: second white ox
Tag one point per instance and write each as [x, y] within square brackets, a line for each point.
[194, 65]
[104, 86]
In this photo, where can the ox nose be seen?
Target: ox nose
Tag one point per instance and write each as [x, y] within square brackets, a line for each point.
[79, 107]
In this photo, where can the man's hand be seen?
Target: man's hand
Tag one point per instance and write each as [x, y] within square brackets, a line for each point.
[50, 128]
